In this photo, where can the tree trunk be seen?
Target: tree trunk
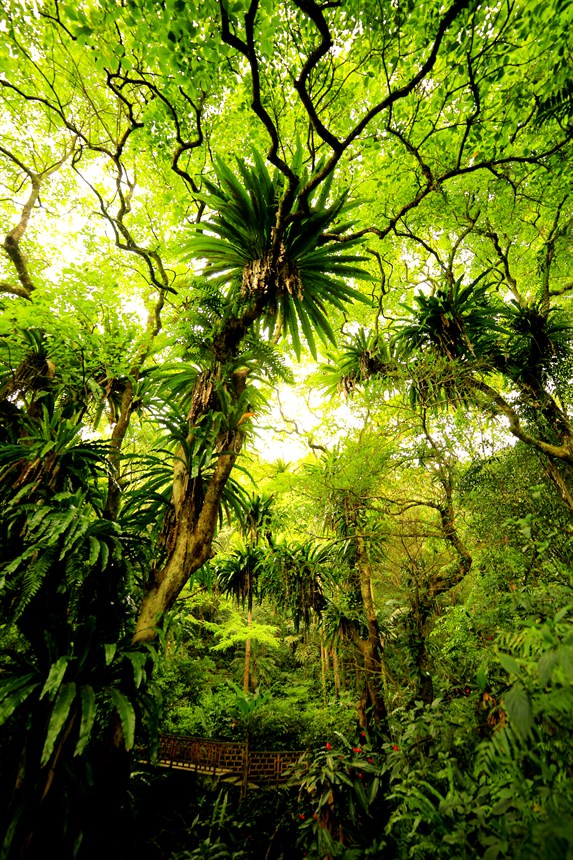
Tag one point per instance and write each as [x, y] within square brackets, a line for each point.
[194, 514]
[336, 672]
[372, 699]
[323, 669]
[247, 667]
[120, 428]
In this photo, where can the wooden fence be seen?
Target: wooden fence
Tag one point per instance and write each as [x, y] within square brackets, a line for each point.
[231, 760]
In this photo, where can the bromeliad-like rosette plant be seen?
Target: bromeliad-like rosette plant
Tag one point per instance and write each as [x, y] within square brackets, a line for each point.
[283, 266]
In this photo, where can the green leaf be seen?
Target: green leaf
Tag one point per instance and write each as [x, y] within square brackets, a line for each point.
[518, 708]
[58, 717]
[126, 715]
[88, 702]
[546, 666]
[481, 678]
[14, 693]
[94, 545]
[565, 657]
[138, 660]
[55, 677]
[110, 649]
[510, 665]
[493, 852]
[374, 790]
[502, 805]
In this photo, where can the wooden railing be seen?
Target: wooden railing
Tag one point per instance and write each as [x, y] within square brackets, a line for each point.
[231, 760]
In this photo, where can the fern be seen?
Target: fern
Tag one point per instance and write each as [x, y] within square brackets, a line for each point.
[32, 580]
[264, 359]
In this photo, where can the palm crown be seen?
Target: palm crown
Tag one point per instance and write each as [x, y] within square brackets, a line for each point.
[290, 265]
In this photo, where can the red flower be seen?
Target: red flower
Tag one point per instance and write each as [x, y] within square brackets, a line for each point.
[395, 748]
[328, 746]
[359, 776]
[356, 749]
[362, 734]
[301, 816]
[370, 760]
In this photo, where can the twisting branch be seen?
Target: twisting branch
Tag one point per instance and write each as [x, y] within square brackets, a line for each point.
[117, 81]
[494, 166]
[248, 49]
[11, 243]
[447, 514]
[557, 231]
[186, 145]
[473, 117]
[314, 12]
[430, 250]
[386, 103]
[500, 406]
[503, 257]
[425, 168]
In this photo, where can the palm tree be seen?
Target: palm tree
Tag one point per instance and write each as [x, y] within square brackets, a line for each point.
[238, 575]
[257, 519]
[295, 579]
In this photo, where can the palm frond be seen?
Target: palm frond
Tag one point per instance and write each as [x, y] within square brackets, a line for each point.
[537, 343]
[457, 322]
[293, 271]
[365, 355]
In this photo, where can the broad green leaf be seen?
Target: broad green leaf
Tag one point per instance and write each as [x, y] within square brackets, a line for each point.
[565, 656]
[127, 716]
[481, 678]
[94, 545]
[563, 613]
[546, 666]
[519, 710]
[14, 693]
[60, 713]
[55, 677]
[138, 660]
[509, 663]
[88, 704]
[110, 649]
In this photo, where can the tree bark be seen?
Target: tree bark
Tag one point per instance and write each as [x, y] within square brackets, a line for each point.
[247, 667]
[191, 548]
[371, 648]
[336, 672]
[323, 669]
[194, 512]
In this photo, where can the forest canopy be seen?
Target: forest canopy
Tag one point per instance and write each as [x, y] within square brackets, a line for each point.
[229, 224]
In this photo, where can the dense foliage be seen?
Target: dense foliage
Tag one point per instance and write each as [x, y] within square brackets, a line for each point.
[286, 439]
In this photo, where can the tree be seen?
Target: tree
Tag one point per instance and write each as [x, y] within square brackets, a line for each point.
[148, 122]
[280, 284]
[237, 575]
[347, 494]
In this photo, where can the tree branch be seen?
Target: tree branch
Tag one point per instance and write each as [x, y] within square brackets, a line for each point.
[501, 407]
[386, 103]
[12, 239]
